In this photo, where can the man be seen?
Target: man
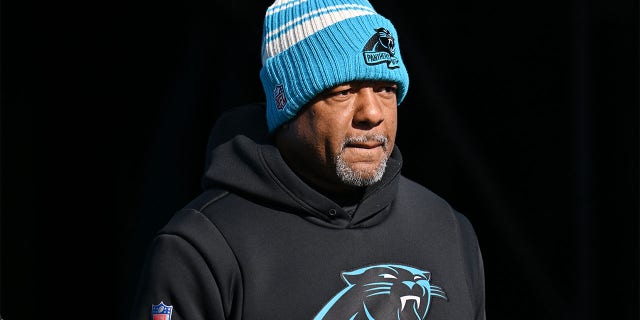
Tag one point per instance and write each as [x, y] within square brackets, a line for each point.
[314, 220]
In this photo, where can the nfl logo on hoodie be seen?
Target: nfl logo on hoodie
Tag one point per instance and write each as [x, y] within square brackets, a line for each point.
[161, 311]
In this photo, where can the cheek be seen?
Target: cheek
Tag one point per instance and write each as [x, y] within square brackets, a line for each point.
[391, 116]
[328, 130]
[312, 135]
[391, 119]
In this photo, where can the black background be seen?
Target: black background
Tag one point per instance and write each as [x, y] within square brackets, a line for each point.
[523, 115]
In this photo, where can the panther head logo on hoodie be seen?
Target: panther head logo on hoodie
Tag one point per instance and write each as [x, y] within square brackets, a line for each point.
[384, 291]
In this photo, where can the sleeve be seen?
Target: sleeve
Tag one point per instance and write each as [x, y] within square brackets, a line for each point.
[192, 270]
[175, 274]
[474, 267]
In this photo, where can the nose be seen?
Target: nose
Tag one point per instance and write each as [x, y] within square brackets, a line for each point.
[368, 111]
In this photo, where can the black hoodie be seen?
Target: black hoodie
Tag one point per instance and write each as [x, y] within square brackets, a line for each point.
[259, 243]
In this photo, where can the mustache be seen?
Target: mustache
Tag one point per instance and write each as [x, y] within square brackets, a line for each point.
[366, 138]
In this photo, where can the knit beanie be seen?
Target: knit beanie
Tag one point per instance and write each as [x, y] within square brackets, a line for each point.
[309, 46]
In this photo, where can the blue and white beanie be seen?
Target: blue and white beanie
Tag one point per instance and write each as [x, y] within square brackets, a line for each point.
[309, 46]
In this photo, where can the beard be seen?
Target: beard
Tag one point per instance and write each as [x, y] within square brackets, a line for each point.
[361, 178]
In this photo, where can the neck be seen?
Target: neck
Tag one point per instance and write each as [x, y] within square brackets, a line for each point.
[342, 194]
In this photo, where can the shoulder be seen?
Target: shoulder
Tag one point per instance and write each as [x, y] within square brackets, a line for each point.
[206, 199]
[426, 203]
[190, 232]
[190, 221]
[417, 195]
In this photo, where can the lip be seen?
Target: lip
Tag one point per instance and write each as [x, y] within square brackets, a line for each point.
[365, 145]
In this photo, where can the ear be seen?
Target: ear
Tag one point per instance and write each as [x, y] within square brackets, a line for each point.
[351, 278]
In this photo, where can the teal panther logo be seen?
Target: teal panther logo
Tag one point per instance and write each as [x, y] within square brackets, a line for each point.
[384, 291]
[381, 48]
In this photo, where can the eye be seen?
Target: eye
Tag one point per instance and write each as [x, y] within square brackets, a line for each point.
[416, 278]
[387, 91]
[388, 276]
[337, 94]
[391, 89]
[385, 86]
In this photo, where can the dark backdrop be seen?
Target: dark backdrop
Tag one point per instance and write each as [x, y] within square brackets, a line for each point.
[524, 115]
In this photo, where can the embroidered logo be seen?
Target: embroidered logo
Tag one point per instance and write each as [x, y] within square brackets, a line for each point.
[383, 291]
[280, 97]
[161, 311]
[381, 48]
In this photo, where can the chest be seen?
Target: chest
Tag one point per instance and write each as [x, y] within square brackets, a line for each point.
[295, 270]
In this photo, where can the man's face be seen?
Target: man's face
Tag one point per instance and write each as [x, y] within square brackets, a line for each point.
[344, 136]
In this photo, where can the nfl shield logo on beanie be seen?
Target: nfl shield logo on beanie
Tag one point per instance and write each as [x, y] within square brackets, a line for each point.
[279, 97]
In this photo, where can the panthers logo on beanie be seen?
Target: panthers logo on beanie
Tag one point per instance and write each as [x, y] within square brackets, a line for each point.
[381, 292]
[381, 48]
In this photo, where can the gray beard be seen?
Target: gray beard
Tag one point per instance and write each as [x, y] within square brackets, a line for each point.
[357, 178]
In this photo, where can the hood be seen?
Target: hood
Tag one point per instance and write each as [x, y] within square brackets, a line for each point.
[246, 163]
